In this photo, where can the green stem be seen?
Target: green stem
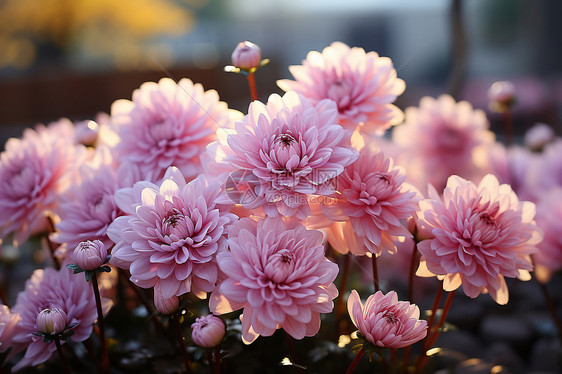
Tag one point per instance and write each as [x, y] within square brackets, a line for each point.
[61, 356]
[103, 342]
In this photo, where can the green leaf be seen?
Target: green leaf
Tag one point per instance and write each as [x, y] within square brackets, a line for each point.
[105, 268]
[88, 275]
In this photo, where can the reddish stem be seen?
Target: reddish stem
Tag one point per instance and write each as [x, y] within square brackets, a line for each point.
[413, 261]
[375, 272]
[253, 89]
[549, 303]
[218, 359]
[406, 359]
[431, 340]
[341, 302]
[356, 360]
[103, 342]
[507, 126]
[61, 355]
[3, 297]
[52, 246]
[183, 349]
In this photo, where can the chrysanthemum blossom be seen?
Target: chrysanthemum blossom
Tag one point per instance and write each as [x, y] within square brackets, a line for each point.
[478, 235]
[207, 331]
[49, 288]
[8, 322]
[278, 273]
[363, 85]
[546, 173]
[171, 234]
[289, 148]
[375, 202]
[385, 321]
[443, 137]
[168, 123]
[88, 207]
[549, 219]
[34, 171]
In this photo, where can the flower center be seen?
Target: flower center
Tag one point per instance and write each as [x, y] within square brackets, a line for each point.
[390, 318]
[171, 224]
[488, 220]
[285, 139]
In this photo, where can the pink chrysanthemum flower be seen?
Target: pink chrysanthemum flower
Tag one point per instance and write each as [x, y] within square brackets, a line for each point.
[171, 235]
[374, 201]
[8, 323]
[363, 85]
[290, 149]
[549, 219]
[478, 235]
[442, 137]
[49, 288]
[88, 207]
[277, 272]
[168, 123]
[385, 321]
[546, 173]
[34, 170]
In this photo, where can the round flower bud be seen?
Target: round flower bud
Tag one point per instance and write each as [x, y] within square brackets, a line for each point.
[90, 255]
[166, 306]
[501, 93]
[51, 321]
[246, 55]
[538, 136]
[87, 132]
[207, 331]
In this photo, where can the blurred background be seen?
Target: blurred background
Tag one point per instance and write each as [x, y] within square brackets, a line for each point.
[73, 58]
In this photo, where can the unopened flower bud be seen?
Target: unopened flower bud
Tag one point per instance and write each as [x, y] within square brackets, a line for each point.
[501, 94]
[166, 306]
[207, 331]
[51, 321]
[90, 255]
[538, 136]
[86, 132]
[246, 55]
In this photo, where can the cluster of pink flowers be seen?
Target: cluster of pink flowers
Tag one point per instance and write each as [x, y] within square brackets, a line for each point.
[187, 196]
[47, 288]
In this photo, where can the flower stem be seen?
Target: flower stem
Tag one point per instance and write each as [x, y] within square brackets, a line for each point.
[446, 307]
[431, 339]
[52, 246]
[61, 355]
[103, 342]
[549, 303]
[356, 360]
[507, 126]
[253, 89]
[218, 359]
[375, 272]
[413, 261]
[340, 306]
[3, 297]
[211, 361]
[181, 340]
